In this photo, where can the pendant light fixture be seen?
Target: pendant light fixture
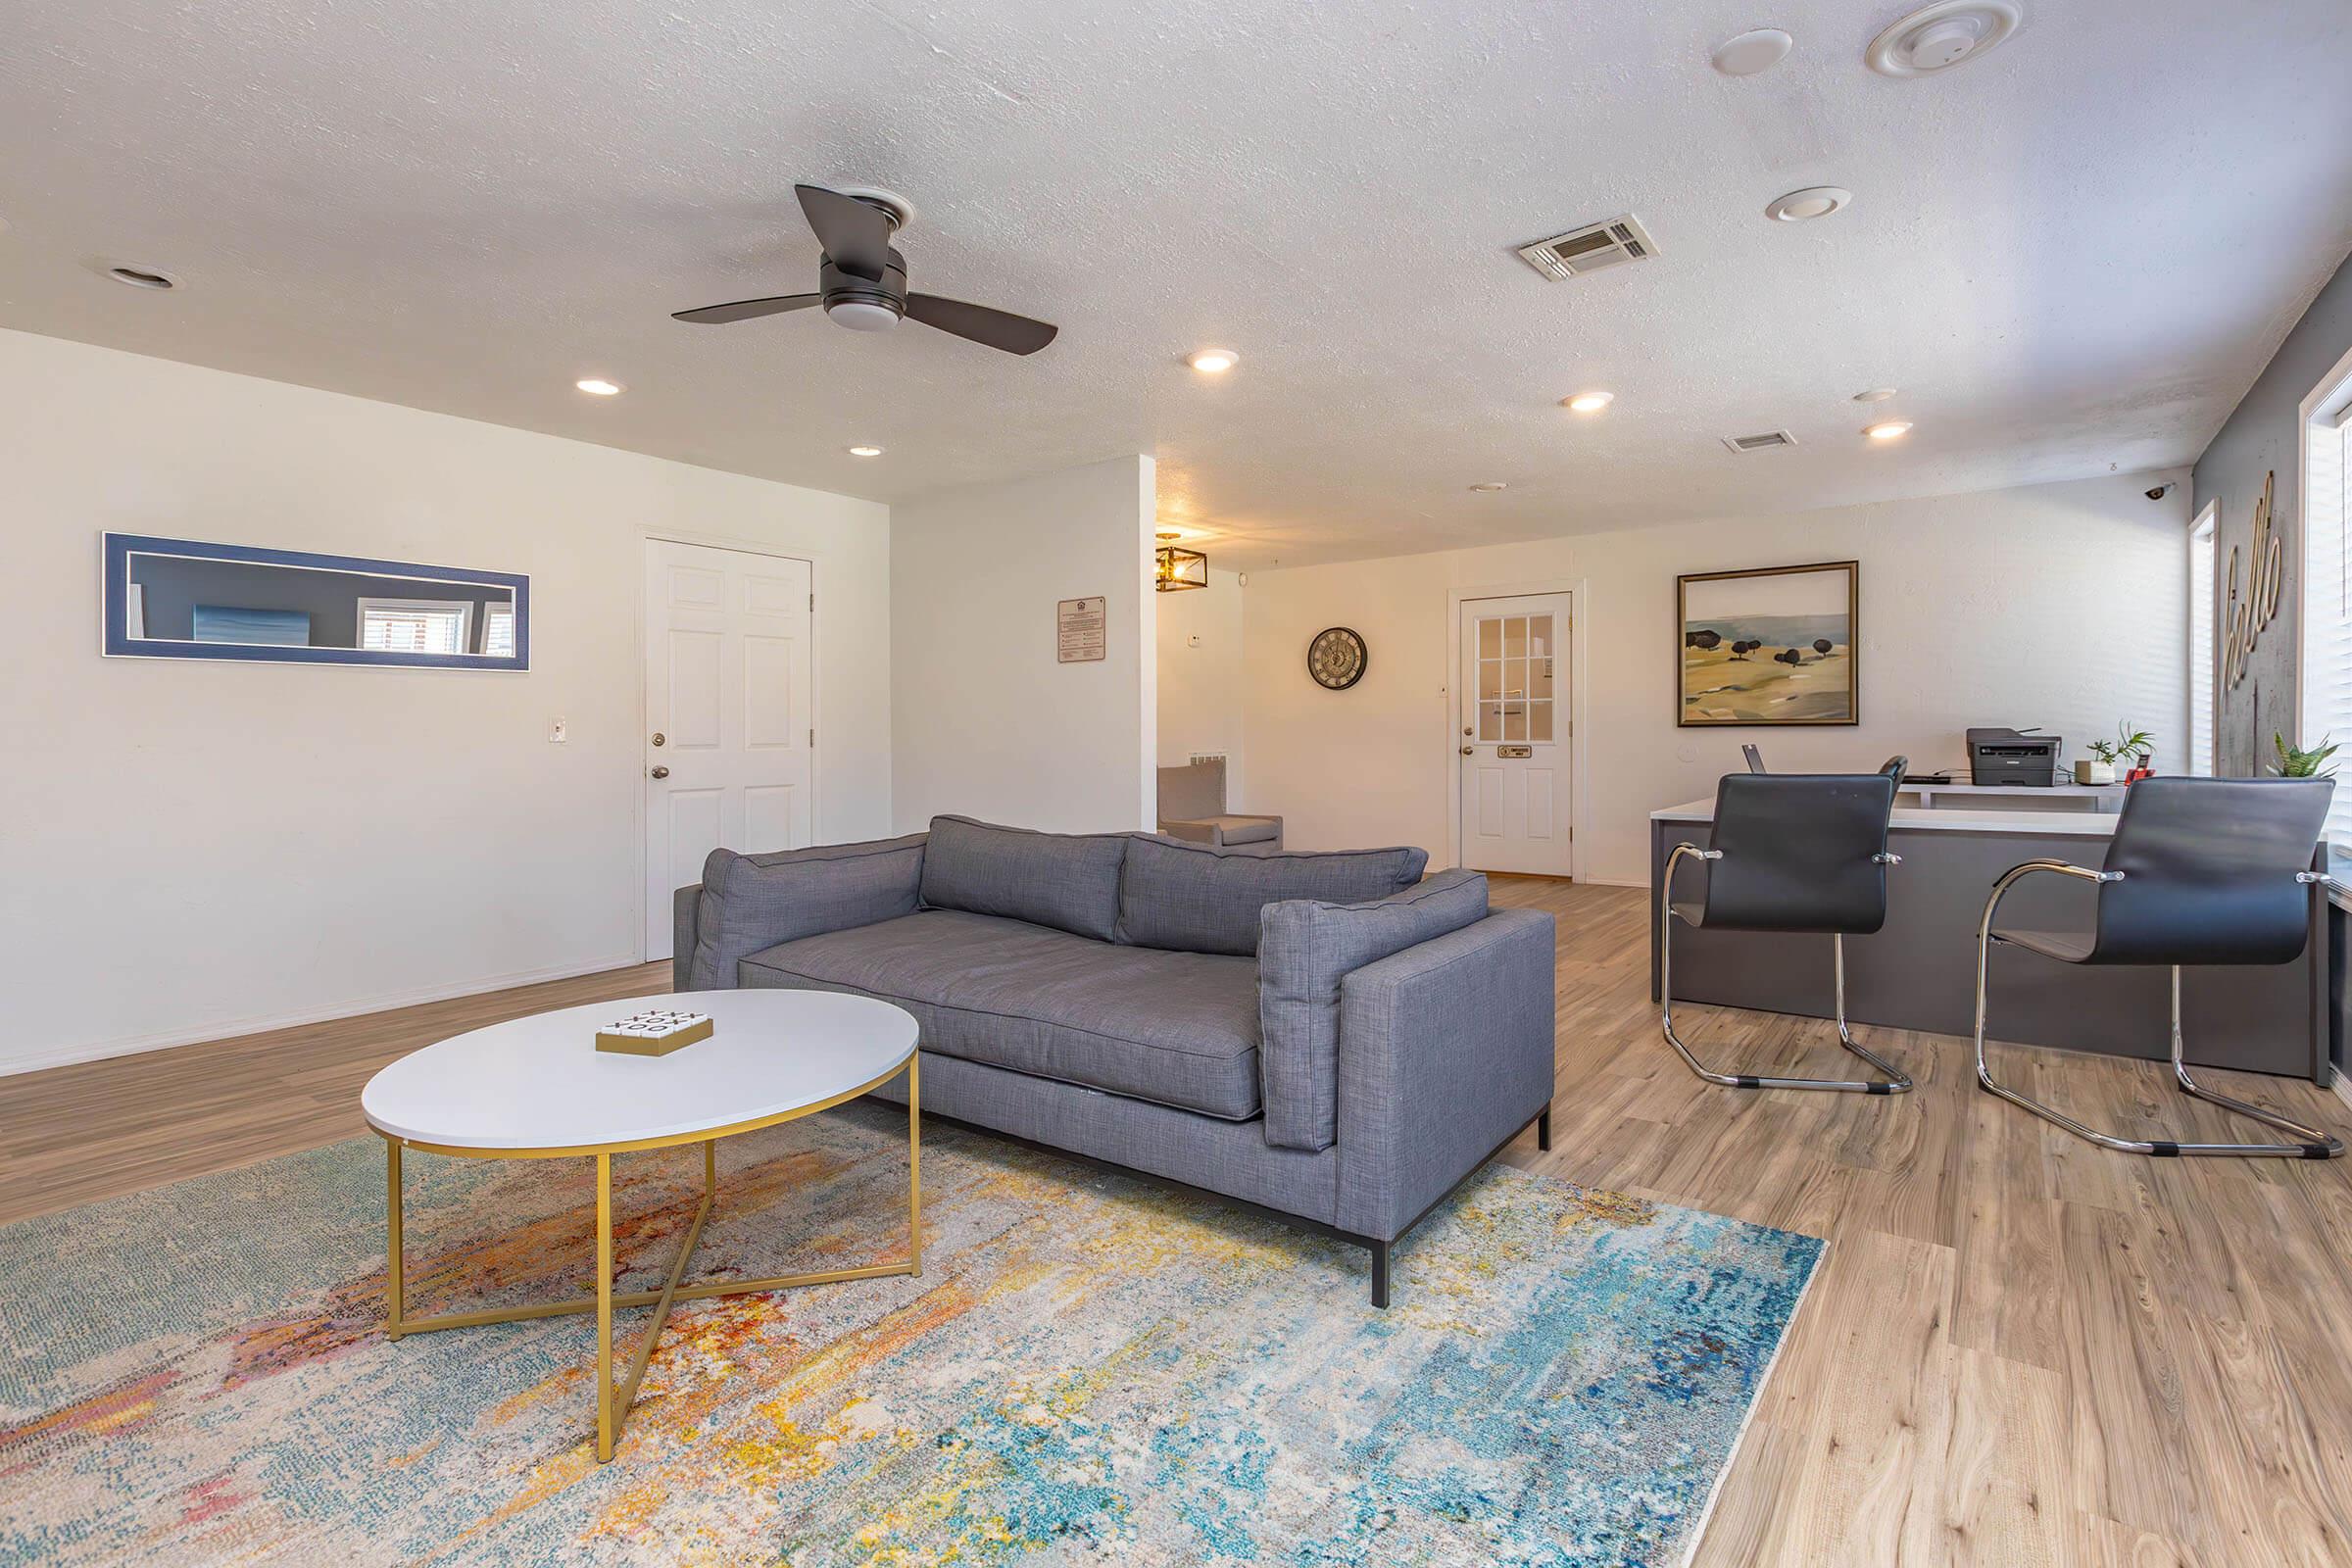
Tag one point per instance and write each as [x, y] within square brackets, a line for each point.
[1179, 569]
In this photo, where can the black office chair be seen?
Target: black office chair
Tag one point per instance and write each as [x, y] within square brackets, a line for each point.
[2200, 870]
[1791, 852]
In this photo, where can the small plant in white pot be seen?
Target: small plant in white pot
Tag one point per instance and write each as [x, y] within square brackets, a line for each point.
[2099, 766]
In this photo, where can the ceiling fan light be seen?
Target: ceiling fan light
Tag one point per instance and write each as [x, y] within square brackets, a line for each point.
[862, 315]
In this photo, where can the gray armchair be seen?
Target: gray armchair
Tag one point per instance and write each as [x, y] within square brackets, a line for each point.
[1191, 807]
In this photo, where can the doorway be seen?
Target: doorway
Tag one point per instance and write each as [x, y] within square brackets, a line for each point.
[1516, 734]
[728, 733]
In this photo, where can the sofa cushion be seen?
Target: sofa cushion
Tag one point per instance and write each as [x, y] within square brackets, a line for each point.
[1179, 1028]
[1069, 881]
[751, 902]
[1304, 951]
[1195, 899]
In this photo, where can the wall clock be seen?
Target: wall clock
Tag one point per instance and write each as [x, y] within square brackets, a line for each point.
[1337, 658]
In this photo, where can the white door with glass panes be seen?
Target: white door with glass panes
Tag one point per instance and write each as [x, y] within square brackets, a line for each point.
[728, 737]
[1512, 735]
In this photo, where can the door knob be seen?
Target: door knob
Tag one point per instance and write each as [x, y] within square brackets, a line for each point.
[661, 739]
[1467, 750]
[660, 772]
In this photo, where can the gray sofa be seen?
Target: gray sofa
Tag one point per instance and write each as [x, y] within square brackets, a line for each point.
[1326, 1036]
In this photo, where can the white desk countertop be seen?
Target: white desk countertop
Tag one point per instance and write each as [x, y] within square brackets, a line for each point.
[1949, 819]
[2065, 788]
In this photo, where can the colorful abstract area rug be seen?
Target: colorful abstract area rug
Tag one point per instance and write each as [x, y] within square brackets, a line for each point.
[1089, 1370]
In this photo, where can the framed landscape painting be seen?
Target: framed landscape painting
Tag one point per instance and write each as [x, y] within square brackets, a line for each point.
[1772, 646]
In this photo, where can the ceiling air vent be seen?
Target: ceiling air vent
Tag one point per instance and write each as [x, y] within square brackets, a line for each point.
[1590, 248]
[1763, 442]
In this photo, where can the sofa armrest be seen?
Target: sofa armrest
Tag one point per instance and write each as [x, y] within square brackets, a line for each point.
[1446, 1052]
[685, 922]
[750, 902]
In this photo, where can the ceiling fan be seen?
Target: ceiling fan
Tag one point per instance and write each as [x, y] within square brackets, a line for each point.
[861, 279]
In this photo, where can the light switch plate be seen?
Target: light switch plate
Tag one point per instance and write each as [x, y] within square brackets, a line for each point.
[557, 736]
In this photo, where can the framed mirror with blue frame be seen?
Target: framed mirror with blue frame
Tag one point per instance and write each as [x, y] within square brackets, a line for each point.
[189, 599]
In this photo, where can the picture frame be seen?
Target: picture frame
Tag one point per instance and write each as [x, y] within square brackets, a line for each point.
[1769, 647]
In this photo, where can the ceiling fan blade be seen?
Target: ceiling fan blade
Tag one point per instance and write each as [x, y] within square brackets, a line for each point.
[998, 329]
[745, 310]
[855, 233]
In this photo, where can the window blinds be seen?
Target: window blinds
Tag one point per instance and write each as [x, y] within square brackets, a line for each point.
[2327, 673]
[2201, 615]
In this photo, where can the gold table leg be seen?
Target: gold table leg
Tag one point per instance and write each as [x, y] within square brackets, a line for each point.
[613, 1401]
[396, 1268]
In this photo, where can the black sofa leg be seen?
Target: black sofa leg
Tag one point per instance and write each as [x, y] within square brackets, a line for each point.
[1543, 1128]
[1380, 1274]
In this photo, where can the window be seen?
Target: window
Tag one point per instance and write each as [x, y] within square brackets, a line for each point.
[498, 631]
[2201, 613]
[417, 625]
[2325, 668]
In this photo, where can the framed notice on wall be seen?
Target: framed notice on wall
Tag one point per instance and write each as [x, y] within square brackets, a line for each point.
[1081, 630]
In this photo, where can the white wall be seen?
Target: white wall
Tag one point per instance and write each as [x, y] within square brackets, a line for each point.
[2061, 606]
[197, 849]
[986, 721]
[1201, 686]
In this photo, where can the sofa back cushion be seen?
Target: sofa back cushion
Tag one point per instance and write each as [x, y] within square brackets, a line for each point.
[1304, 949]
[751, 902]
[1069, 881]
[1194, 899]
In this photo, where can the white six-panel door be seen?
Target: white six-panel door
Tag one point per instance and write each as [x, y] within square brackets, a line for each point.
[728, 734]
[1512, 740]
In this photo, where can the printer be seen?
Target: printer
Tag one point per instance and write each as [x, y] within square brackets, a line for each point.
[2012, 756]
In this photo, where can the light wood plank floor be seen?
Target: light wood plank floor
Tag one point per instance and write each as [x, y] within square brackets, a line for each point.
[2020, 1350]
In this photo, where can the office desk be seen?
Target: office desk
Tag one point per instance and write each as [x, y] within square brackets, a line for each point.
[1920, 971]
[2066, 797]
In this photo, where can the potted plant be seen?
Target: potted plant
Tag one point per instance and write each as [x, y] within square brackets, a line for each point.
[2294, 762]
[2099, 766]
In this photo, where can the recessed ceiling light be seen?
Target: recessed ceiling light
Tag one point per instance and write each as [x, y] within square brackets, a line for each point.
[863, 451]
[1886, 431]
[1489, 486]
[1937, 37]
[1589, 402]
[1814, 201]
[598, 387]
[140, 277]
[1877, 394]
[1751, 52]
[1212, 362]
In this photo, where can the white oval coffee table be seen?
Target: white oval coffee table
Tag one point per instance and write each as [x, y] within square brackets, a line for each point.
[537, 1088]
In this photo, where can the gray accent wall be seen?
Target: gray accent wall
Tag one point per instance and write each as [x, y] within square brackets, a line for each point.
[2258, 438]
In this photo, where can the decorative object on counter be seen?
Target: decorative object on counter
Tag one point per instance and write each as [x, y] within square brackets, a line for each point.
[2242, 620]
[1179, 569]
[655, 1032]
[2099, 766]
[1801, 620]
[2294, 762]
[1337, 659]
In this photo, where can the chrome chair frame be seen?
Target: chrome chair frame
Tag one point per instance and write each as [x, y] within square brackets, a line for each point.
[1900, 1083]
[2314, 1144]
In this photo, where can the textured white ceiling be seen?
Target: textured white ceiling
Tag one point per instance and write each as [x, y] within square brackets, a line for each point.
[2072, 255]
